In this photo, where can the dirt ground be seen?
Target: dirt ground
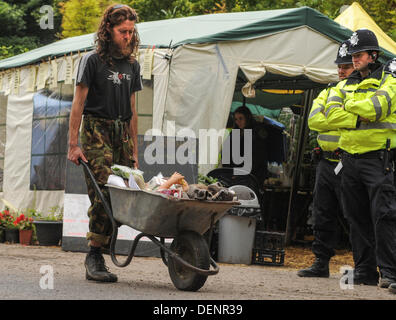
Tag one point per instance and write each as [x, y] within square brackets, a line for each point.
[298, 258]
[147, 278]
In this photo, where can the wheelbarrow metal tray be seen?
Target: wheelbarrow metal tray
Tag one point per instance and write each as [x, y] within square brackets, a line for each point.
[156, 214]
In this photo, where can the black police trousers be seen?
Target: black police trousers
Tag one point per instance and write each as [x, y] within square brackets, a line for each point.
[326, 207]
[369, 199]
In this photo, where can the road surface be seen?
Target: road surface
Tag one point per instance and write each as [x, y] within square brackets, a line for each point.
[36, 272]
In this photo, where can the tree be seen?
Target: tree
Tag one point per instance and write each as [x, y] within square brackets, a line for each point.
[21, 30]
[149, 10]
[20, 19]
[81, 17]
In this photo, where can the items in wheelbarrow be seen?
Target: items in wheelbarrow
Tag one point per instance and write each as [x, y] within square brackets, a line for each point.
[212, 192]
[134, 176]
[117, 181]
[175, 185]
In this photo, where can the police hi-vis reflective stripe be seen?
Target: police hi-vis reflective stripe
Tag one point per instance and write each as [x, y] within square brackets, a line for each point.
[316, 111]
[377, 104]
[328, 138]
[331, 107]
[388, 99]
[377, 107]
[376, 125]
[335, 99]
[343, 92]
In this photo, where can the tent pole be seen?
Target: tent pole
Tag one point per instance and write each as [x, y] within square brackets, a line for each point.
[291, 214]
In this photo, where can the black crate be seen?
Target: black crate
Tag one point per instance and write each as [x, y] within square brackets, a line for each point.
[268, 257]
[269, 240]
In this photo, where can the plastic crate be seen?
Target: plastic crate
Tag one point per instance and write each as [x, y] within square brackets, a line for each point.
[269, 240]
[268, 257]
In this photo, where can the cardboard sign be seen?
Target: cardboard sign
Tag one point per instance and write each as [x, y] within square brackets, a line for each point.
[148, 64]
[69, 70]
[42, 75]
[32, 79]
[8, 83]
[17, 81]
[54, 75]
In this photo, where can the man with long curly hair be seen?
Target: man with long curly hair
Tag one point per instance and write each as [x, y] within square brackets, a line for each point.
[106, 82]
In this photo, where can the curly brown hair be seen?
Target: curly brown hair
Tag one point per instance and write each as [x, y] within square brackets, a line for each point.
[114, 15]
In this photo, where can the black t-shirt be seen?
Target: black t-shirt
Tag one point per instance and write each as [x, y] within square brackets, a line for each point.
[110, 88]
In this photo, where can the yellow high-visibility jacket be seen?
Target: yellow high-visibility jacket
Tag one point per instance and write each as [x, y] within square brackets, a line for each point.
[373, 98]
[328, 135]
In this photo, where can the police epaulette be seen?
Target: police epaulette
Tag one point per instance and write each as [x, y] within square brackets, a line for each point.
[390, 67]
[331, 85]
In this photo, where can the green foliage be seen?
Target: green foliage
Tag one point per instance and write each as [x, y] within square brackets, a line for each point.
[11, 19]
[205, 179]
[55, 214]
[81, 17]
[11, 46]
[20, 26]
[149, 10]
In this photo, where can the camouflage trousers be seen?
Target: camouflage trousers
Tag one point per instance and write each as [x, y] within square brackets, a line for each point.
[104, 143]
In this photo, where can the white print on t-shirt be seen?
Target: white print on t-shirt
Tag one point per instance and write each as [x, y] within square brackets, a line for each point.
[116, 77]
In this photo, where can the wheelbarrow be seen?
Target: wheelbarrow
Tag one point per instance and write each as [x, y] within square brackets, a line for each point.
[156, 215]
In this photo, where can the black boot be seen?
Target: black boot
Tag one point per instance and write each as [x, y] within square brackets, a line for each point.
[320, 268]
[96, 269]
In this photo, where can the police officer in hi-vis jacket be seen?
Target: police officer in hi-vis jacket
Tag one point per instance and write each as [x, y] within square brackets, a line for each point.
[363, 108]
[327, 197]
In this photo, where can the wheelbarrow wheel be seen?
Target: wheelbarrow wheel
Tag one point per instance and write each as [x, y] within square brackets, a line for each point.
[192, 248]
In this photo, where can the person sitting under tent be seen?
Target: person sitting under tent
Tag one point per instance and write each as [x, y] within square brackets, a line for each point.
[244, 120]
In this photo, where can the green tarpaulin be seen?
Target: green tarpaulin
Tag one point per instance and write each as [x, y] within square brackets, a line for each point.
[201, 29]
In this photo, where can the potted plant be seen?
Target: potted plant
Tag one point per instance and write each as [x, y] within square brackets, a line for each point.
[11, 225]
[49, 228]
[25, 225]
[2, 227]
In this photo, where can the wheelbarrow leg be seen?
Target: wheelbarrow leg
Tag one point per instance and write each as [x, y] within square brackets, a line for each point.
[210, 231]
[162, 251]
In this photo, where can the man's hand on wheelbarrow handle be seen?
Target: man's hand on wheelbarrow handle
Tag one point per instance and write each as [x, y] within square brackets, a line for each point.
[75, 154]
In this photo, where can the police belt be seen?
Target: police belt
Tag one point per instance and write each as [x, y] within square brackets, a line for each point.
[330, 155]
[377, 154]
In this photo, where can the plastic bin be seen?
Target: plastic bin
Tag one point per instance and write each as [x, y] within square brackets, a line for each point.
[249, 203]
[246, 196]
[236, 238]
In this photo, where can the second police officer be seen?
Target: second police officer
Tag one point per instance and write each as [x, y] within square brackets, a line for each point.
[363, 107]
[327, 190]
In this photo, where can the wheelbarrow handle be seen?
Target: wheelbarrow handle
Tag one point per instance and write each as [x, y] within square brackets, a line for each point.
[109, 213]
[99, 193]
